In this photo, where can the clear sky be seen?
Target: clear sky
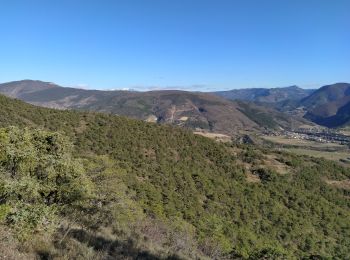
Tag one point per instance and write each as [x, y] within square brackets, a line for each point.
[192, 44]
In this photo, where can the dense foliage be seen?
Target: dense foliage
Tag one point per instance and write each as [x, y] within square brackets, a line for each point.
[38, 177]
[168, 190]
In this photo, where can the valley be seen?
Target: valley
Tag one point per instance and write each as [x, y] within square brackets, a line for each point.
[317, 141]
[327, 150]
[185, 159]
[174, 130]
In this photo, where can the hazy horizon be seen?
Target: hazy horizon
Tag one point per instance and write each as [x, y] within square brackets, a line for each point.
[194, 88]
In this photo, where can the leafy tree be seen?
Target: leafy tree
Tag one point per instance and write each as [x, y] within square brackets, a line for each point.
[38, 176]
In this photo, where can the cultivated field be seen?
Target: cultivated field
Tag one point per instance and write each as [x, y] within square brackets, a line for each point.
[330, 151]
[302, 143]
[335, 155]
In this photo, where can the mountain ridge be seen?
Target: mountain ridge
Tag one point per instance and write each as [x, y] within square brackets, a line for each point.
[271, 95]
[183, 108]
[329, 105]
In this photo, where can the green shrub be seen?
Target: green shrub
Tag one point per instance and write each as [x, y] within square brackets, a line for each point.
[38, 177]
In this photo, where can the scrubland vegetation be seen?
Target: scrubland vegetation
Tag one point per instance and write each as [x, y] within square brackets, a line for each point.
[95, 186]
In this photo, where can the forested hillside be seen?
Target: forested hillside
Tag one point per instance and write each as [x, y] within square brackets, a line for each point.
[98, 186]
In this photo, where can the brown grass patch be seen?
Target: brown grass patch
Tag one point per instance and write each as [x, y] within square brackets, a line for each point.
[215, 136]
[9, 247]
[344, 184]
[82, 127]
[272, 162]
[252, 178]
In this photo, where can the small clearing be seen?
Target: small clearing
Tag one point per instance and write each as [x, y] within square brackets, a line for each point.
[215, 136]
[344, 184]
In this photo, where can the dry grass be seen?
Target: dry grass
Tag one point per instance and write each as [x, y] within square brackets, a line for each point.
[335, 156]
[330, 151]
[272, 162]
[215, 136]
[82, 127]
[344, 184]
[252, 178]
[9, 247]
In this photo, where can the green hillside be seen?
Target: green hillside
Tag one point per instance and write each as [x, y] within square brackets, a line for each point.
[98, 186]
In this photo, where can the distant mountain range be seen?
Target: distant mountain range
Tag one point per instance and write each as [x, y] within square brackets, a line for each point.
[222, 111]
[328, 106]
[266, 95]
[194, 110]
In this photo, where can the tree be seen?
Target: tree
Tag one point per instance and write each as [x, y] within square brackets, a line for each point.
[38, 176]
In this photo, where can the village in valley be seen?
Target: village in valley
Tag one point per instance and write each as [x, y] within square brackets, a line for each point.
[321, 135]
[332, 144]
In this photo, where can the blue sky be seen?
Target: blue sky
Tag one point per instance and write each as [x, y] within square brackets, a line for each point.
[185, 44]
